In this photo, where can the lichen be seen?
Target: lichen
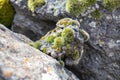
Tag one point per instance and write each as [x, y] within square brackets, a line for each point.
[66, 22]
[68, 34]
[85, 35]
[75, 7]
[96, 14]
[33, 4]
[7, 13]
[111, 4]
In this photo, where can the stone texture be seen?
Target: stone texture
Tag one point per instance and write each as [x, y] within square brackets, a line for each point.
[19, 61]
[30, 26]
[101, 59]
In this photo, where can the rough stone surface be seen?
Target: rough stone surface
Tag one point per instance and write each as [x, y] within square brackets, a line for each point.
[101, 59]
[19, 61]
[30, 26]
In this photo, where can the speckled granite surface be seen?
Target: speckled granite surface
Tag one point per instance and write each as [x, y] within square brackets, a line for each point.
[19, 61]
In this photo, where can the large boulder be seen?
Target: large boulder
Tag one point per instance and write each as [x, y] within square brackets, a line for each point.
[101, 58]
[19, 61]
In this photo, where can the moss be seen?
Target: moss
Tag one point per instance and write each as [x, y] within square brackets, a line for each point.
[111, 4]
[75, 7]
[32, 4]
[67, 21]
[50, 38]
[68, 34]
[96, 14]
[45, 50]
[7, 13]
[58, 43]
[76, 55]
[36, 44]
[85, 34]
[62, 63]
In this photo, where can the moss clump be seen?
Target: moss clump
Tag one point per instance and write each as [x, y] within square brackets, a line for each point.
[7, 13]
[67, 21]
[97, 14]
[50, 38]
[85, 34]
[58, 42]
[111, 4]
[32, 4]
[76, 55]
[62, 63]
[68, 34]
[75, 7]
[36, 44]
[45, 50]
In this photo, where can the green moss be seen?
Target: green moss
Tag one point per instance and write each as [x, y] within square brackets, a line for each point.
[7, 13]
[76, 55]
[36, 44]
[50, 38]
[85, 34]
[96, 14]
[111, 4]
[32, 4]
[62, 63]
[68, 34]
[75, 7]
[45, 50]
[58, 42]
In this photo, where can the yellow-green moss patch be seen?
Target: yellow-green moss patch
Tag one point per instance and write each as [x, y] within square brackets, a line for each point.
[75, 7]
[32, 4]
[111, 4]
[6, 13]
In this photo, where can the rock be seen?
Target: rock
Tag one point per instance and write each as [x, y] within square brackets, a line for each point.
[65, 42]
[101, 58]
[30, 26]
[19, 61]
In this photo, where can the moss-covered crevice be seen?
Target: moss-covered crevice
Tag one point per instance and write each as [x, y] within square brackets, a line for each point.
[7, 13]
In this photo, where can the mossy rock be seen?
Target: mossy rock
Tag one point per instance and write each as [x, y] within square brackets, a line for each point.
[111, 4]
[7, 13]
[76, 7]
[65, 42]
[33, 4]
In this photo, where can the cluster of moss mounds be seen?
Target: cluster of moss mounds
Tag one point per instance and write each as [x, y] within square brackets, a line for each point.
[65, 42]
[6, 13]
[75, 7]
[32, 4]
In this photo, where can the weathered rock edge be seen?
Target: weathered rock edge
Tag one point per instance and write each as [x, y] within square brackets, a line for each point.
[19, 61]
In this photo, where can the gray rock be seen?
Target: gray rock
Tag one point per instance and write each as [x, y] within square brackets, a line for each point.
[30, 26]
[101, 58]
[19, 61]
